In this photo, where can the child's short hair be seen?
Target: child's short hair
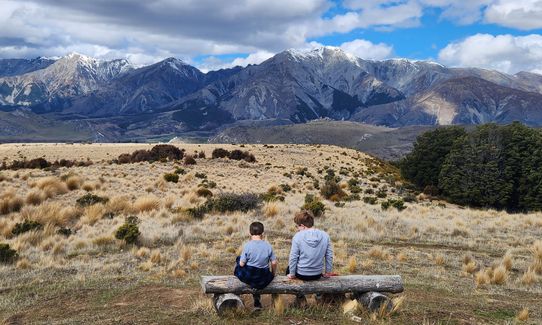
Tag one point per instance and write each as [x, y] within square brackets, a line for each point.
[256, 228]
[304, 218]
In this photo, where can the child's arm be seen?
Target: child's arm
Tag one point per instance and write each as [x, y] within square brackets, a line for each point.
[273, 259]
[274, 267]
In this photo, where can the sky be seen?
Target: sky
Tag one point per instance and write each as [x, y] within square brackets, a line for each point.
[504, 35]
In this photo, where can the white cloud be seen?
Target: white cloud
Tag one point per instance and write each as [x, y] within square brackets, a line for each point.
[214, 63]
[506, 53]
[521, 14]
[367, 50]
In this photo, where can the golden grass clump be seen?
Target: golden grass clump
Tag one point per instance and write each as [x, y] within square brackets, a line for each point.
[440, 260]
[271, 209]
[147, 203]
[156, 257]
[53, 213]
[92, 214]
[23, 264]
[507, 261]
[52, 186]
[119, 205]
[523, 315]
[536, 250]
[9, 202]
[500, 275]
[104, 240]
[352, 264]
[278, 305]
[142, 252]
[470, 267]
[529, 277]
[481, 278]
[186, 253]
[401, 257]
[74, 182]
[378, 252]
[35, 197]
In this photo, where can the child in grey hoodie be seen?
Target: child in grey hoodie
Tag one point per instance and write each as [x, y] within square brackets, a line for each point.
[309, 248]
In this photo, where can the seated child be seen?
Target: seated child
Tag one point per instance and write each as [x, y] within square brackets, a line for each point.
[252, 267]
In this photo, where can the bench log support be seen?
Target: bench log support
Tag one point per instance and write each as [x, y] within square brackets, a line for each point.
[227, 301]
[373, 301]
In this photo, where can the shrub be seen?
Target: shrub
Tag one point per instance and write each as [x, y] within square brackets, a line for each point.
[7, 255]
[314, 205]
[166, 151]
[229, 202]
[161, 152]
[199, 211]
[241, 155]
[189, 160]
[355, 189]
[332, 190]
[171, 177]
[91, 199]
[200, 175]
[370, 199]
[203, 192]
[25, 226]
[220, 153]
[129, 232]
[285, 187]
[180, 171]
[201, 154]
[66, 232]
[124, 158]
[382, 193]
[353, 197]
[398, 204]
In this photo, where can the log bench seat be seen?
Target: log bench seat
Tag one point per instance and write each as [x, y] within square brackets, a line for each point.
[369, 290]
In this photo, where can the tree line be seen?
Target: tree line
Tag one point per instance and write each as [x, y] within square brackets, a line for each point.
[492, 166]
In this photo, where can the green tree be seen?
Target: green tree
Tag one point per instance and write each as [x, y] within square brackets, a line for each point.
[475, 171]
[422, 166]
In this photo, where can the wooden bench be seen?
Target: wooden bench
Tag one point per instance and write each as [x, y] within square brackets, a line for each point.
[367, 289]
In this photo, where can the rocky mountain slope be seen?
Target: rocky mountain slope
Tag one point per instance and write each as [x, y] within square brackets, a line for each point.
[171, 97]
[55, 86]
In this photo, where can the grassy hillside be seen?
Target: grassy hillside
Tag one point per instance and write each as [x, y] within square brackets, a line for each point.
[460, 266]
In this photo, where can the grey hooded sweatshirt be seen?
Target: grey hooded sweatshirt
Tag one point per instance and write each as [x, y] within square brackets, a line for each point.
[309, 247]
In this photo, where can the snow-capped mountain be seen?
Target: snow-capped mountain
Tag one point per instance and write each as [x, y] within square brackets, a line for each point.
[142, 90]
[52, 88]
[297, 86]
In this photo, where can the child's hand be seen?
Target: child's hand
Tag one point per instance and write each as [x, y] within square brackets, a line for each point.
[291, 276]
[329, 274]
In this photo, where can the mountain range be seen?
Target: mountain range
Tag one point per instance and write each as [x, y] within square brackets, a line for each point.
[113, 100]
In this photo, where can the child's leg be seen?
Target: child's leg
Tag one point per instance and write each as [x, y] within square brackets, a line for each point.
[257, 303]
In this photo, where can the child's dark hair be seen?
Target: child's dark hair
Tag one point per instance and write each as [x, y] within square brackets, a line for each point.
[256, 228]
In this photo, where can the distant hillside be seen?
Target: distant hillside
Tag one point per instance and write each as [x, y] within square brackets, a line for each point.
[383, 142]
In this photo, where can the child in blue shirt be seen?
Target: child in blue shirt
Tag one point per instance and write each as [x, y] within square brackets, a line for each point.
[252, 267]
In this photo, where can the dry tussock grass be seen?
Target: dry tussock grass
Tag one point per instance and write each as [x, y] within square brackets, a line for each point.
[523, 315]
[500, 275]
[271, 209]
[9, 202]
[74, 182]
[51, 185]
[53, 213]
[35, 197]
[119, 205]
[92, 214]
[146, 204]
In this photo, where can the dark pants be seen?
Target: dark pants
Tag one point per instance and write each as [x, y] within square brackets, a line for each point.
[255, 277]
[304, 277]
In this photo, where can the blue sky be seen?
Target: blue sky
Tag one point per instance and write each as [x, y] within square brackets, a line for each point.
[212, 34]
